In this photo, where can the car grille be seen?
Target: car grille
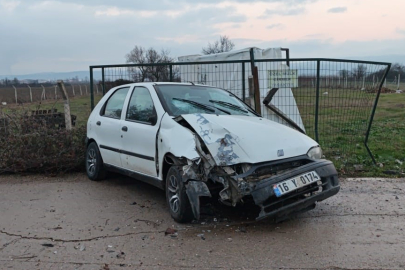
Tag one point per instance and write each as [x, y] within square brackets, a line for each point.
[268, 170]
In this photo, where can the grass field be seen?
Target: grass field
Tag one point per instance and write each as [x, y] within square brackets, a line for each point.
[342, 125]
[343, 122]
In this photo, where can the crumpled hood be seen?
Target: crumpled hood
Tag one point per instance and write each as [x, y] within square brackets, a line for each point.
[233, 139]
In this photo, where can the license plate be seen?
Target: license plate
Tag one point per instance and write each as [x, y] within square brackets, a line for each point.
[295, 183]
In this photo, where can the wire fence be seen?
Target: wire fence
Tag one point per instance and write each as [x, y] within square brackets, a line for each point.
[47, 100]
[36, 93]
[395, 83]
[333, 101]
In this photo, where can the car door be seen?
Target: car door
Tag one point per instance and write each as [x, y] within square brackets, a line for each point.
[108, 127]
[139, 129]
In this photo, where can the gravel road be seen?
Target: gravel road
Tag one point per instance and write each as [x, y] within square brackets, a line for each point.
[70, 222]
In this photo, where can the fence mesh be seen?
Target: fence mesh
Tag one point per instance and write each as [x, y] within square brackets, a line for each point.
[331, 100]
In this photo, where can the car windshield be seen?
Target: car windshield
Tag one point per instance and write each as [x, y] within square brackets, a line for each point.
[189, 99]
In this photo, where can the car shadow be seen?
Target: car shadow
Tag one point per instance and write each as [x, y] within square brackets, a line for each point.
[212, 210]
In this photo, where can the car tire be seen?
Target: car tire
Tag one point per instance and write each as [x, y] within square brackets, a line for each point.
[94, 163]
[176, 196]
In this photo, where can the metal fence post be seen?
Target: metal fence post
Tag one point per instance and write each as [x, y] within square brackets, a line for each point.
[103, 80]
[91, 89]
[171, 72]
[318, 77]
[252, 60]
[243, 82]
[373, 112]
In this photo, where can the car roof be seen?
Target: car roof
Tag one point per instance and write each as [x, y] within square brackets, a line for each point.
[165, 83]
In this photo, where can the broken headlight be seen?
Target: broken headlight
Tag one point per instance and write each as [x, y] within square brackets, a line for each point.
[315, 152]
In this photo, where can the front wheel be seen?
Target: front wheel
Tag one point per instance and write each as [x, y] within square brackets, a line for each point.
[177, 199]
[94, 163]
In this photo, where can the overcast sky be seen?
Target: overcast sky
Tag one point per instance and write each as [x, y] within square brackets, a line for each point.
[69, 35]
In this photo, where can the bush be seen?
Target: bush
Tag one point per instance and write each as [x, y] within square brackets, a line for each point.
[32, 145]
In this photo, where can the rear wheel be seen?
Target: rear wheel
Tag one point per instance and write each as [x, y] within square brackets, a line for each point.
[176, 196]
[94, 163]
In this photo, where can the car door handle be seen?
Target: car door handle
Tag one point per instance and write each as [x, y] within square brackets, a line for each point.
[124, 128]
[98, 123]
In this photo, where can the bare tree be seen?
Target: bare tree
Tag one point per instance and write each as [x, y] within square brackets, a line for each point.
[224, 44]
[360, 71]
[158, 72]
[343, 73]
[138, 56]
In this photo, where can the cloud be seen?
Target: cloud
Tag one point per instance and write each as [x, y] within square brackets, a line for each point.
[315, 36]
[275, 25]
[282, 12]
[337, 10]
[41, 37]
[66, 35]
[400, 31]
[114, 12]
[164, 5]
[9, 5]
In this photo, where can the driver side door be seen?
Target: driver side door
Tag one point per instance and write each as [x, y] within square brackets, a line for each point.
[139, 130]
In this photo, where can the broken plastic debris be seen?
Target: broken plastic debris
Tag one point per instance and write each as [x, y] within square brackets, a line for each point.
[121, 255]
[170, 231]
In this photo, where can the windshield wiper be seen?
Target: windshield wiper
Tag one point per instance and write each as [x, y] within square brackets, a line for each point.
[195, 103]
[201, 105]
[229, 105]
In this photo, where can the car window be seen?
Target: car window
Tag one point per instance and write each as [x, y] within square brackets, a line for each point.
[115, 103]
[140, 107]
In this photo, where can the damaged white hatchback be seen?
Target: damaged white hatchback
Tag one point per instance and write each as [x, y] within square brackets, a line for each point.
[197, 140]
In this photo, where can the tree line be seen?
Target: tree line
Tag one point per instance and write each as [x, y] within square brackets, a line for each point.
[155, 73]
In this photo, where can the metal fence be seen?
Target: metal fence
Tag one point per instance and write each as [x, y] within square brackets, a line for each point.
[332, 100]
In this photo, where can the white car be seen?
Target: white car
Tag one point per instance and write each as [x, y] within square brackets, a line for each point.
[193, 140]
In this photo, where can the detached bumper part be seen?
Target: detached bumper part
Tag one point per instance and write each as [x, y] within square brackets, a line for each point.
[195, 190]
[300, 200]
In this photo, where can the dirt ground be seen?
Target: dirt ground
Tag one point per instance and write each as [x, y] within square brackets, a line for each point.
[70, 222]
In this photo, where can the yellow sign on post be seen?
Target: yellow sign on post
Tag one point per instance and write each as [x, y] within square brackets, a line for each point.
[283, 78]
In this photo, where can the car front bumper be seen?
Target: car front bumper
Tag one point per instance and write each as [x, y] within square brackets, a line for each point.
[300, 200]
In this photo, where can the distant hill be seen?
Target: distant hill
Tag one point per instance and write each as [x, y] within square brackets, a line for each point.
[81, 75]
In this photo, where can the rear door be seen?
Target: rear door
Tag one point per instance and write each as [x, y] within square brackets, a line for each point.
[139, 129]
[108, 127]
